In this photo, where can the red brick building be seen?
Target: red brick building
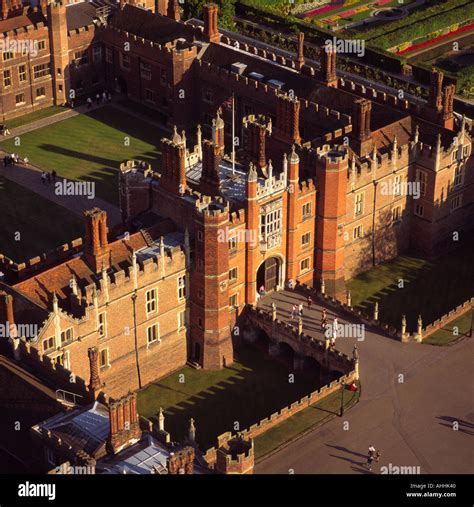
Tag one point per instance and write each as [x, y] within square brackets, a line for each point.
[330, 178]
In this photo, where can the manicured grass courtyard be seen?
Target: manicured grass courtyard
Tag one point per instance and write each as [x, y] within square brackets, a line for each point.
[430, 288]
[303, 421]
[91, 147]
[452, 332]
[31, 224]
[246, 392]
[34, 116]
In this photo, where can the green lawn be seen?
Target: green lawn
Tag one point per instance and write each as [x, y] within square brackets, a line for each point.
[430, 288]
[324, 410]
[91, 147]
[452, 332]
[32, 225]
[246, 392]
[34, 116]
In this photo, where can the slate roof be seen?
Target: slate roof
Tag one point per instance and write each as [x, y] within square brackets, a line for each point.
[143, 23]
[79, 15]
[39, 288]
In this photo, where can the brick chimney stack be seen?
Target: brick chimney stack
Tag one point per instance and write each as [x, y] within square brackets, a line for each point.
[96, 247]
[287, 127]
[94, 384]
[436, 90]
[6, 308]
[362, 131]
[328, 65]
[448, 106]
[300, 61]
[173, 177]
[124, 425]
[211, 31]
[210, 180]
[181, 462]
[173, 10]
[218, 133]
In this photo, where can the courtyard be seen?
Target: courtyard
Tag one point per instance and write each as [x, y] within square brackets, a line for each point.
[91, 147]
[31, 224]
[231, 399]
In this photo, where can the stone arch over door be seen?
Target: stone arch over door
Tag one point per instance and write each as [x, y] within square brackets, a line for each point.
[271, 273]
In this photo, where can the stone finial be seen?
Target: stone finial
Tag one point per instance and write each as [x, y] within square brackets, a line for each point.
[404, 325]
[74, 285]
[417, 134]
[55, 303]
[395, 143]
[192, 430]
[294, 159]
[438, 142]
[323, 286]
[349, 298]
[274, 311]
[176, 137]
[270, 169]
[252, 176]
[376, 310]
[161, 420]
[300, 325]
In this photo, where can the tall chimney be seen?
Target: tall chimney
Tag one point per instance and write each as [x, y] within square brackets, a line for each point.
[94, 384]
[124, 426]
[96, 247]
[436, 90]
[328, 65]
[211, 31]
[173, 10]
[6, 308]
[300, 61]
[210, 180]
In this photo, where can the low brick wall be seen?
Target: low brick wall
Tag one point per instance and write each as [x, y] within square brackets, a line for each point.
[286, 412]
[446, 319]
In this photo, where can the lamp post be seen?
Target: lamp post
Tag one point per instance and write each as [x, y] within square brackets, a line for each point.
[342, 398]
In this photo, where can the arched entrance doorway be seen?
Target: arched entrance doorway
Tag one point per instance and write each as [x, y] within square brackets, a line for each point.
[268, 274]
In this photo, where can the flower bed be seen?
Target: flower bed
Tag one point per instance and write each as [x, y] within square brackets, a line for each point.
[466, 28]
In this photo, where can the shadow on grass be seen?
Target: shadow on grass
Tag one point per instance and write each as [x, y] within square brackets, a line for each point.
[429, 288]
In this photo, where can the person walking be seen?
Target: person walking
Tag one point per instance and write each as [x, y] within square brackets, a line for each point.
[48, 177]
[104, 97]
[43, 178]
[97, 99]
[89, 102]
[370, 457]
[53, 175]
[293, 312]
[324, 320]
[300, 309]
[309, 301]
